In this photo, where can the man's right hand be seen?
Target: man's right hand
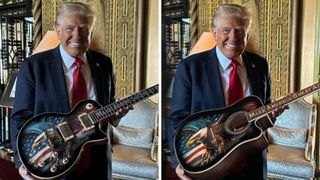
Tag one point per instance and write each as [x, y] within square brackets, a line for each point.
[25, 174]
[181, 173]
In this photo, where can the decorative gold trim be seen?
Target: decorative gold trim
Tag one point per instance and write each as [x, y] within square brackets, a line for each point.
[37, 25]
[194, 22]
[141, 37]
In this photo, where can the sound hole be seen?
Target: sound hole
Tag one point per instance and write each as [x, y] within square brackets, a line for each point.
[237, 123]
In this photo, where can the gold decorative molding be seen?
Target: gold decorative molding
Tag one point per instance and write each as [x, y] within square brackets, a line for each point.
[123, 45]
[49, 11]
[317, 58]
[206, 10]
[194, 25]
[272, 36]
[114, 36]
[36, 11]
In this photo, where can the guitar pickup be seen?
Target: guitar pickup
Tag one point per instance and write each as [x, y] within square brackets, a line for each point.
[65, 131]
[86, 121]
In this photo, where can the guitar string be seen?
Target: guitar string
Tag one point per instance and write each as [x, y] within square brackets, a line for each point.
[111, 109]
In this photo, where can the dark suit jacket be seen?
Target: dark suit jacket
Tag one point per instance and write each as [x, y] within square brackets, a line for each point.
[41, 87]
[198, 86]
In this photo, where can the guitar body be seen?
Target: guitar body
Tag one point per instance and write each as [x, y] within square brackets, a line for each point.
[209, 144]
[50, 144]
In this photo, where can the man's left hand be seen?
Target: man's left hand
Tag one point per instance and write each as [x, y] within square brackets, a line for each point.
[115, 119]
[277, 112]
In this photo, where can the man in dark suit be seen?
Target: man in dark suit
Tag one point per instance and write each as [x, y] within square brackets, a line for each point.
[47, 83]
[203, 81]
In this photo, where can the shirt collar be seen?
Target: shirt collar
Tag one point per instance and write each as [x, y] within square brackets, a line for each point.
[69, 60]
[224, 61]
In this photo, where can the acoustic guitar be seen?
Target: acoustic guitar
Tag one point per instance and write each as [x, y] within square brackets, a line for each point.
[209, 144]
[50, 144]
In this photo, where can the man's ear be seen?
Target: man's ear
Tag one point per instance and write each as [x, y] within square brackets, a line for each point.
[91, 37]
[57, 30]
[214, 32]
[248, 36]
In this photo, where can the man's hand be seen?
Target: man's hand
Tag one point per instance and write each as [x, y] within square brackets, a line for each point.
[181, 173]
[115, 119]
[277, 112]
[24, 173]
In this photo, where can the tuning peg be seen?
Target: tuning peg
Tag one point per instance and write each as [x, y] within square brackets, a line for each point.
[54, 168]
[65, 160]
[55, 155]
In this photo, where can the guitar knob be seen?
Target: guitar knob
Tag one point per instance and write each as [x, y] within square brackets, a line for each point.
[65, 160]
[55, 155]
[54, 168]
[41, 163]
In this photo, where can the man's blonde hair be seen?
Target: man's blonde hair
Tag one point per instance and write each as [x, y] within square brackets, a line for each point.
[232, 10]
[78, 9]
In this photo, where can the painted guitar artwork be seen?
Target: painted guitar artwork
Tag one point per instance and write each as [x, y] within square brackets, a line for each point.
[209, 144]
[50, 144]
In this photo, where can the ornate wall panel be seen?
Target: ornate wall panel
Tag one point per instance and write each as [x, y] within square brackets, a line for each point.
[114, 35]
[271, 36]
[206, 10]
[123, 48]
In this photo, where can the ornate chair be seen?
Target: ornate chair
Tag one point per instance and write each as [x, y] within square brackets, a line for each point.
[291, 153]
[135, 143]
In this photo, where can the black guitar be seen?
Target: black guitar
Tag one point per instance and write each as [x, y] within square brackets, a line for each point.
[209, 144]
[50, 145]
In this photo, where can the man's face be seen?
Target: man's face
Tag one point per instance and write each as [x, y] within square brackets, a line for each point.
[75, 34]
[231, 35]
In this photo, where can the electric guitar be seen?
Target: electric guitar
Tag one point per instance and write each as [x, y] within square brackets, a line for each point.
[209, 144]
[50, 144]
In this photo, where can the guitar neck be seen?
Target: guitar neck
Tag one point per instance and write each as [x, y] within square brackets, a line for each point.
[264, 110]
[112, 108]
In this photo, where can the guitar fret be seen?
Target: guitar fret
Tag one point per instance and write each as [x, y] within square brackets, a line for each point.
[112, 108]
[93, 117]
[264, 110]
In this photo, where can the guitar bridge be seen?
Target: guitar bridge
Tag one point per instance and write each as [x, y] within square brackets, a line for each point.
[86, 121]
[65, 131]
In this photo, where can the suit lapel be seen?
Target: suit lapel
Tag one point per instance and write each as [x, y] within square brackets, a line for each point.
[252, 74]
[96, 75]
[58, 79]
[214, 78]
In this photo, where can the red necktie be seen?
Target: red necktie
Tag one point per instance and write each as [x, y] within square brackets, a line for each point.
[79, 92]
[235, 91]
[79, 89]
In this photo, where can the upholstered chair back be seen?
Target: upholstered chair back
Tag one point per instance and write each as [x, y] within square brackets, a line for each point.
[135, 143]
[292, 143]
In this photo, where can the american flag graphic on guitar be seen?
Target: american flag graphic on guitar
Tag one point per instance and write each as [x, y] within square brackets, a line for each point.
[194, 155]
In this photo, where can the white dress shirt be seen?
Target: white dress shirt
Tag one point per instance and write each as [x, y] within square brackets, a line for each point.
[69, 67]
[225, 68]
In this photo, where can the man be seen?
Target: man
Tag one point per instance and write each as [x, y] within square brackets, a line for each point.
[218, 78]
[55, 80]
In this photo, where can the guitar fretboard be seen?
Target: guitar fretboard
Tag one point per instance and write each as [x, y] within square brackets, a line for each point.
[264, 110]
[112, 108]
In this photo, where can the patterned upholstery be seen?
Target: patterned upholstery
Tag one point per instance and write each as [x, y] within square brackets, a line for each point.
[292, 143]
[133, 151]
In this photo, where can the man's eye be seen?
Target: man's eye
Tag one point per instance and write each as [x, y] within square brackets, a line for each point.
[69, 29]
[84, 29]
[225, 31]
[240, 31]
